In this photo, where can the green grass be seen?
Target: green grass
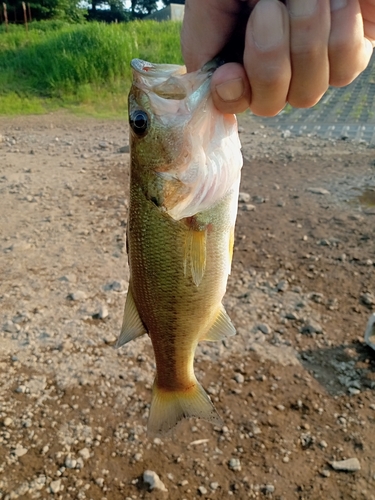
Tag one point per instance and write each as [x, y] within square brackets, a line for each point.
[81, 67]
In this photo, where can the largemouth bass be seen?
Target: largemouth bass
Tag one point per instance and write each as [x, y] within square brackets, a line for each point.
[184, 181]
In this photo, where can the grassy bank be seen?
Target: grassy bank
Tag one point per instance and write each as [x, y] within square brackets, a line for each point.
[82, 67]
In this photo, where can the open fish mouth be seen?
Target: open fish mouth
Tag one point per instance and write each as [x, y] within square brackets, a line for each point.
[165, 80]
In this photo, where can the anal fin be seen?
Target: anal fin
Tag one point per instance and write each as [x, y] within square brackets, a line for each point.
[222, 327]
[132, 325]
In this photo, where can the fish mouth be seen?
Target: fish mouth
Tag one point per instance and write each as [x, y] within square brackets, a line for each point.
[170, 81]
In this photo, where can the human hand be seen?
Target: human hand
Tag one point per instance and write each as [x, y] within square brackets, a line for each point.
[291, 52]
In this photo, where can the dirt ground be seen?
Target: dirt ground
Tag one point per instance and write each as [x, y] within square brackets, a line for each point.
[295, 387]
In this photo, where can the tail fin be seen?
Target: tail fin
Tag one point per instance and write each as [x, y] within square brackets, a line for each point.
[169, 407]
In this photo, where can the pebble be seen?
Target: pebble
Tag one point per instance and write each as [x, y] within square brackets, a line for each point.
[325, 473]
[248, 207]
[84, 453]
[102, 312]
[7, 422]
[153, 480]
[264, 328]
[11, 327]
[348, 465]
[239, 378]
[20, 451]
[78, 295]
[116, 286]
[214, 485]
[282, 286]
[55, 486]
[202, 490]
[269, 488]
[244, 197]
[235, 464]
[367, 299]
[318, 190]
[310, 327]
[70, 463]
[353, 391]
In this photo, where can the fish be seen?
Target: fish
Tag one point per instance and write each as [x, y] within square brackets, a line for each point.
[185, 168]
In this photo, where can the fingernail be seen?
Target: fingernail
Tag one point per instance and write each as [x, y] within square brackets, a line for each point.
[230, 91]
[302, 8]
[267, 24]
[338, 4]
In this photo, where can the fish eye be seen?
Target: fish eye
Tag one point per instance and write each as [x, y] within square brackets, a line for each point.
[139, 121]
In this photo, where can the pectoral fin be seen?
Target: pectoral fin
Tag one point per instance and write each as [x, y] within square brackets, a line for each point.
[195, 252]
[222, 327]
[231, 245]
[132, 325]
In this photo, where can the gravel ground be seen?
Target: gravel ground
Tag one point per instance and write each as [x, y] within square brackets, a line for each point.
[295, 387]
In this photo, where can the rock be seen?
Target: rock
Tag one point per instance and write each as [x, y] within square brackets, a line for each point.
[202, 490]
[370, 332]
[291, 315]
[235, 464]
[239, 378]
[20, 451]
[325, 473]
[84, 453]
[349, 465]
[269, 489]
[103, 311]
[70, 463]
[214, 485]
[259, 200]
[367, 299]
[282, 286]
[78, 295]
[70, 278]
[153, 480]
[310, 327]
[11, 327]
[7, 422]
[116, 286]
[244, 197]
[285, 134]
[318, 190]
[264, 328]
[248, 207]
[353, 391]
[55, 486]
[316, 297]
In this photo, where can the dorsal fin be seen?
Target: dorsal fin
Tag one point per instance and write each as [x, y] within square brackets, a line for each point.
[132, 325]
[222, 327]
